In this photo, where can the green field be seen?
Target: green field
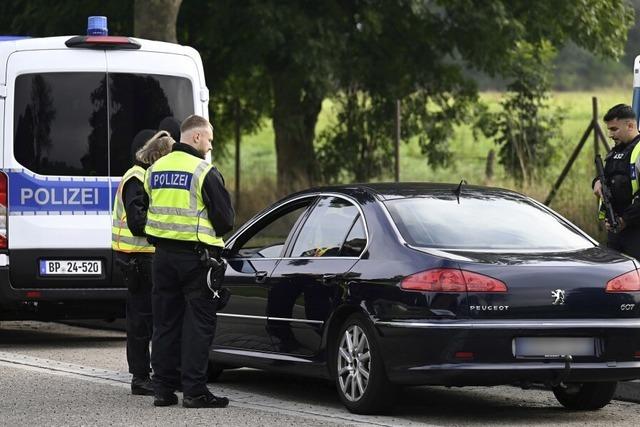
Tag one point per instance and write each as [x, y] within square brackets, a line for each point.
[574, 199]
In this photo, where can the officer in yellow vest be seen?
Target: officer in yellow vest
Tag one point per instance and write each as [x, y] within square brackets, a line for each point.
[133, 253]
[189, 211]
[621, 174]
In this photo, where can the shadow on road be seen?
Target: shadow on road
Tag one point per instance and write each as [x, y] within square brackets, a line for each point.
[468, 405]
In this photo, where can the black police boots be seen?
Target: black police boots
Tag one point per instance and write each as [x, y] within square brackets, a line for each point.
[165, 399]
[205, 401]
[141, 385]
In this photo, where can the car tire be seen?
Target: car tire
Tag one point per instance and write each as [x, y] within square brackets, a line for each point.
[213, 371]
[585, 396]
[358, 369]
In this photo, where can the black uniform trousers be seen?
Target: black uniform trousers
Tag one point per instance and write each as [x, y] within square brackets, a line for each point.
[184, 321]
[139, 320]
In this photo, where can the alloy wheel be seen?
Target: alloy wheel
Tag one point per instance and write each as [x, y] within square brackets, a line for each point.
[354, 363]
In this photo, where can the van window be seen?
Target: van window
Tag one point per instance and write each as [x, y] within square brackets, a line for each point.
[141, 101]
[60, 125]
[65, 126]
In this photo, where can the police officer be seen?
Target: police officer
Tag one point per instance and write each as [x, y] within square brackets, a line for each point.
[133, 253]
[621, 174]
[189, 209]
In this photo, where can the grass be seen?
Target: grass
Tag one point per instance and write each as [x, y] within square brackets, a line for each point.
[574, 199]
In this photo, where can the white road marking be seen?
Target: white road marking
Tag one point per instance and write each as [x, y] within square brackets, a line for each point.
[238, 398]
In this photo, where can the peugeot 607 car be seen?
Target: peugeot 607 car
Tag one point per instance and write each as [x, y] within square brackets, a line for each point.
[377, 286]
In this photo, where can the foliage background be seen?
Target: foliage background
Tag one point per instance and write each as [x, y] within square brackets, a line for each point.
[241, 94]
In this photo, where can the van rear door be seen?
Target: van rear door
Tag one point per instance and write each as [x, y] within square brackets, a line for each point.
[144, 88]
[56, 158]
[71, 116]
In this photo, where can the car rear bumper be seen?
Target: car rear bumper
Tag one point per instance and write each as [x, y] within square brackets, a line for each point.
[513, 373]
[55, 304]
[469, 352]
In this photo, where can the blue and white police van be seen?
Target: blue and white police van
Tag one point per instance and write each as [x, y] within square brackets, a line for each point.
[69, 110]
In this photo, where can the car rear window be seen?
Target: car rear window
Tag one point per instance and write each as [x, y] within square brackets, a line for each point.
[82, 124]
[482, 221]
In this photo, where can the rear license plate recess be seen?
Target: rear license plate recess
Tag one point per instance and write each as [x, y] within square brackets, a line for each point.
[554, 347]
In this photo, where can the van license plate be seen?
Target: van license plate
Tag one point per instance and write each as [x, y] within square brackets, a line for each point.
[65, 267]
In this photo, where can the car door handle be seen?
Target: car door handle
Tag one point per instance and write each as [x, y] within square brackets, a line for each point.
[329, 279]
[261, 276]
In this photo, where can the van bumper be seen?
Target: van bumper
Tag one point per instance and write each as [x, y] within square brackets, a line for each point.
[58, 304]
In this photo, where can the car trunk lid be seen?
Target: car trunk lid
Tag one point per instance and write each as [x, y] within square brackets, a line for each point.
[560, 285]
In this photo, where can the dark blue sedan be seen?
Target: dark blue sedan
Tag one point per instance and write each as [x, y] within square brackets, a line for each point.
[382, 285]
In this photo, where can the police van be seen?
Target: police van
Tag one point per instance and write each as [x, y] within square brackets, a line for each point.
[69, 110]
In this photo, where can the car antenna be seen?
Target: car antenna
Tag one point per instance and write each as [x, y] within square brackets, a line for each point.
[458, 190]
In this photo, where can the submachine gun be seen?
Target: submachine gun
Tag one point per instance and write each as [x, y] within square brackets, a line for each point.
[606, 197]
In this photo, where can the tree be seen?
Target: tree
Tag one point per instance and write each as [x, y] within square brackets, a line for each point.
[42, 18]
[419, 52]
[156, 19]
[288, 46]
[296, 53]
[524, 126]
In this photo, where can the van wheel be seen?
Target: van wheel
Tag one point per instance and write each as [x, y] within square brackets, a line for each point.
[213, 371]
[359, 372]
[585, 396]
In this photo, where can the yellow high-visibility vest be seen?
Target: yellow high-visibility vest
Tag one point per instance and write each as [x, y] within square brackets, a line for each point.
[122, 239]
[633, 159]
[176, 208]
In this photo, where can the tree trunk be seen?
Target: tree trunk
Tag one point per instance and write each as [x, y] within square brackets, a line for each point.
[156, 19]
[295, 114]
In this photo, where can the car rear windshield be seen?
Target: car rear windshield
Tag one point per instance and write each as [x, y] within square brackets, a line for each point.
[482, 221]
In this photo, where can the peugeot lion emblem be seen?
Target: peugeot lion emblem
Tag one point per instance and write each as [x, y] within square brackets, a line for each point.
[558, 296]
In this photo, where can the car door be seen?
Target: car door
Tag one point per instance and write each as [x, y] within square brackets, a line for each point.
[251, 257]
[304, 285]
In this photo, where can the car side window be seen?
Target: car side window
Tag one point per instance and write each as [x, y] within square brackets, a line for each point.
[269, 239]
[356, 240]
[326, 228]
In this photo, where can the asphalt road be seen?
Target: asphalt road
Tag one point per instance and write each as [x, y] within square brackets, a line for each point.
[53, 374]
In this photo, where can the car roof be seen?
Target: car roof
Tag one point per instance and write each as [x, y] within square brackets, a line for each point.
[399, 190]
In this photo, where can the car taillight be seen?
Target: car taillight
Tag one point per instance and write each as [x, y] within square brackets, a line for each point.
[3, 211]
[451, 280]
[627, 282]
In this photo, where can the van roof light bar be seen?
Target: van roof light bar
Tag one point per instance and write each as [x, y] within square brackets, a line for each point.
[102, 42]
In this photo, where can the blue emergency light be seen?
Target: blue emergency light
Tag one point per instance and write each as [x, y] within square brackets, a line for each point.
[97, 26]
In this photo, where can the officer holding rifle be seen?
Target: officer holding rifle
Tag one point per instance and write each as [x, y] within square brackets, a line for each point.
[617, 182]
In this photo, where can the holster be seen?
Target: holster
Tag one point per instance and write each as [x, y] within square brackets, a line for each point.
[209, 286]
[215, 278]
[134, 273]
